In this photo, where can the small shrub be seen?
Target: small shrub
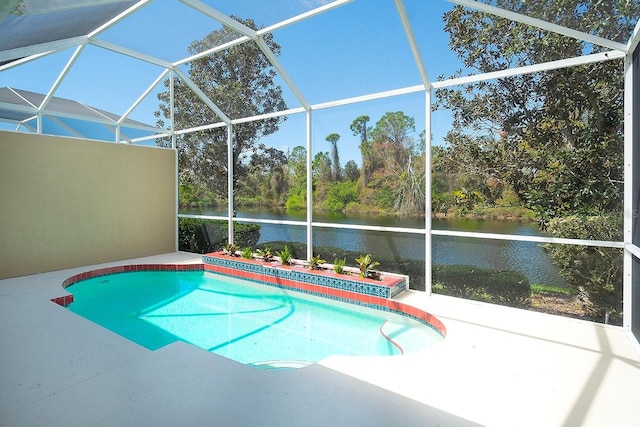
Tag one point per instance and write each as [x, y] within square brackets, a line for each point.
[265, 254]
[231, 249]
[503, 287]
[366, 264]
[315, 261]
[247, 253]
[338, 265]
[596, 273]
[203, 236]
[285, 255]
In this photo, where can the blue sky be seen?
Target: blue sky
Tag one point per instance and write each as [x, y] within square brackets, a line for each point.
[353, 50]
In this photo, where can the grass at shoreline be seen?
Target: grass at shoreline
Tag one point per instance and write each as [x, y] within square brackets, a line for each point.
[556, 290]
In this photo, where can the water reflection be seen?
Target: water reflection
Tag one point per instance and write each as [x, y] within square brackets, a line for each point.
[525, 257]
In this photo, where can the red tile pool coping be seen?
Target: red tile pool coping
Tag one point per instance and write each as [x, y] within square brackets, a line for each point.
[371, 301]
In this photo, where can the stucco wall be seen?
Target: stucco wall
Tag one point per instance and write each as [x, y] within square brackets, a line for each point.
[70, 202]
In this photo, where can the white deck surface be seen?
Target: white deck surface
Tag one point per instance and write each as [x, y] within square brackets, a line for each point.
[497, 367]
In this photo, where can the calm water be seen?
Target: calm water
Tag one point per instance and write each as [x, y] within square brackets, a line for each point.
[525, 257]
[241, 320]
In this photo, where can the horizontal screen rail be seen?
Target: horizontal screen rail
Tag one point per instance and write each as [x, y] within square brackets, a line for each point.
[404, 230]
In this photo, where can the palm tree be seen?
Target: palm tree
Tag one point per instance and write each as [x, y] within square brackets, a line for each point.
[359, 127]
[335, 166]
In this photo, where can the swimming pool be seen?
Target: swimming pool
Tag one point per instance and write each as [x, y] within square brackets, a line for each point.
[245, 321]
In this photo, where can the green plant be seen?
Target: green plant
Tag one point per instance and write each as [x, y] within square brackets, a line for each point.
[265, 254]
[338, 265]
[203, 236]
[315, 261]
[594, 272]
[555, 290]
[231, 249]
[366, 264]
[247, 253]
[503, 287]
[285, 255]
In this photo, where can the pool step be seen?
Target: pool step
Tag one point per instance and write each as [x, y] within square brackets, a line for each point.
[402, 335]
[281, 364]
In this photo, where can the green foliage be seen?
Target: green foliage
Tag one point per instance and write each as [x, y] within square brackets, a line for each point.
[393, 139]
[297, 200]
[338, 265]
[467, 198]
[231, 249]
[335, 158]
[496, 286]
[384, 196]
[242, 82]
[351, 171]
[366, 264]
[247, 253]
[266, 181]
[315, 261]
[441, 202]
[203, 236]
[340, 194]
[321, 167]
[265, 254]
[393, 262]
[556, 136]
[548, 289]
[298, 250]
[595, 272]
[285, 255]
[359, 127]
[192, 195]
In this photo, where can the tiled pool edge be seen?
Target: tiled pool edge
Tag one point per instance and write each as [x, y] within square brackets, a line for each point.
[370, 301]
[65, 300]
[389, 287]
[272, 275]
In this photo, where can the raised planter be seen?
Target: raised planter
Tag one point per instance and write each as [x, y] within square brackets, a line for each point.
[323, 281]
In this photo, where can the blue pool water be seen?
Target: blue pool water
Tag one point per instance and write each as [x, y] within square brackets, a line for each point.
[245, 321]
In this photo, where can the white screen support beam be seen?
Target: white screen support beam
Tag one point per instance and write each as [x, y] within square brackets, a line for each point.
[427, 204]
[202, 96]
[309, 186]
[408, 30]
[230, 189]
[544, 25]
[627, 258]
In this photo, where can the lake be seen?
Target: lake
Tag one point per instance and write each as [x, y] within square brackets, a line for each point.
[525, 257]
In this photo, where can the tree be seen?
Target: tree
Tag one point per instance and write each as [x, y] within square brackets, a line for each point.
[351, 171]
[240, 81]
[359, 127]
[298, 166]
[397, 172]
[321, 168]
[595, 272]
[559, 141]
[393, 137]
[335, 161]
[554, 137]
[266, 181]
[340, 194]
[297, 198]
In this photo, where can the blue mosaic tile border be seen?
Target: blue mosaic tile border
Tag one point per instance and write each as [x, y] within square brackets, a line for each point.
[297, 275]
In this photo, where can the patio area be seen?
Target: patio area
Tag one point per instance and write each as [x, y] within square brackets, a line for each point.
[498, 366]
[82, 187]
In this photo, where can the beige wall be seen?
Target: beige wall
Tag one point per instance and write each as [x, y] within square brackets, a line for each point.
[70, 202]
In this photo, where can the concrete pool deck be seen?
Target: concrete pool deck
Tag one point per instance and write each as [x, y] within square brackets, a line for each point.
[497, 367]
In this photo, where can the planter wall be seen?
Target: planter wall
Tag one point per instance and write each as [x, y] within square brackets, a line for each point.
[322, 282]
